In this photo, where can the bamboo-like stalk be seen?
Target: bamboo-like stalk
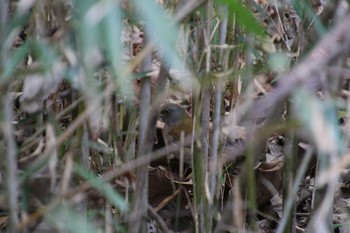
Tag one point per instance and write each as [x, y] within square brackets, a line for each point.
[290, 199]
[3, 29]
[139, 212]
[11, 165]
[202, 110]
[219, 88]
[289, 177]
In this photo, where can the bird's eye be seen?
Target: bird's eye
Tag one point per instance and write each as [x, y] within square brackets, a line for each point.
[165, 112]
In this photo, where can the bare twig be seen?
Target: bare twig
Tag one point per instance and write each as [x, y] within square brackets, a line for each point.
[29, 142]
[159, 220]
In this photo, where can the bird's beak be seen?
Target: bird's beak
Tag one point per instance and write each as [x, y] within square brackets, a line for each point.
[160, 124]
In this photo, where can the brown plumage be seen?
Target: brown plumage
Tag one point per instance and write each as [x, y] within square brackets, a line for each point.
[176, 120]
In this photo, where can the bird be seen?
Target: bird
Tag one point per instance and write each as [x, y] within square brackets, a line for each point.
[176, 120]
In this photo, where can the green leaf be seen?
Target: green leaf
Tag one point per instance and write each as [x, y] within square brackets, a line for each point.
[244, 16]
[16, 58]
[112, 195]
[320, 119]
[161, 27]
[69, 220]
[43, 53]
[305, 10]
[112, 29]
[279, 62]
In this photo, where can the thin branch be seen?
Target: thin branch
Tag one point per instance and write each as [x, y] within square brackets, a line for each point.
[159, 220]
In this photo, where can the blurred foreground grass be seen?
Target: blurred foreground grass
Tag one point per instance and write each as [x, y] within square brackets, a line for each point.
[265, 83]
